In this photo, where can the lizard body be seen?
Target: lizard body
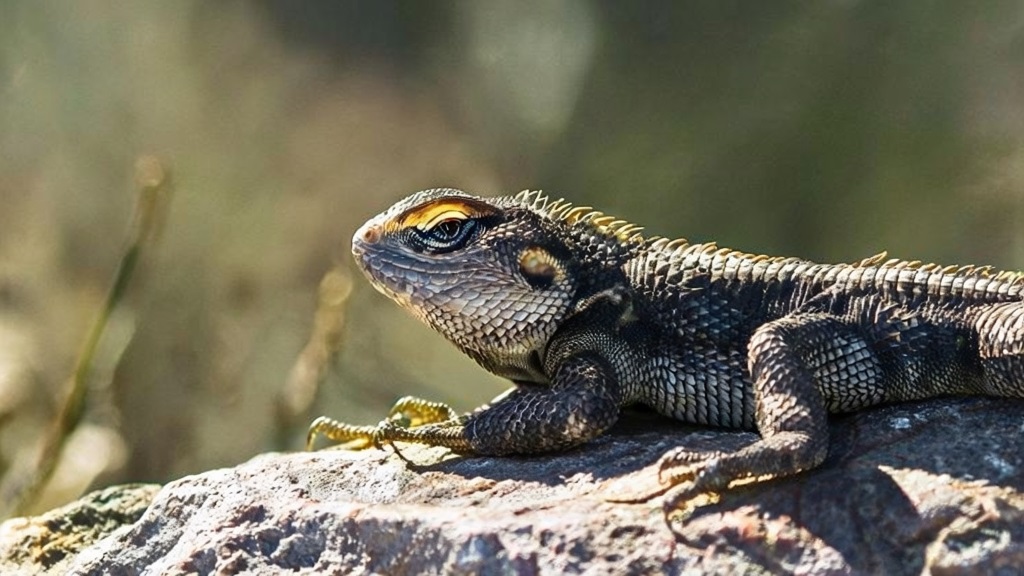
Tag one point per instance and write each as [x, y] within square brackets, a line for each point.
[586, 315]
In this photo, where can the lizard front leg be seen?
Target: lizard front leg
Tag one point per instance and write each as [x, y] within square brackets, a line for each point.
[581, 402]
[799, 365]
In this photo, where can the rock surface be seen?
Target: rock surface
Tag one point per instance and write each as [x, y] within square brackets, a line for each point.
[929, 487]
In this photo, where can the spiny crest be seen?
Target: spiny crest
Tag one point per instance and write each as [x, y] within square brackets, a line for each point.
[669, 246]
[562, 211]
[968, 271]
[875, 260]
[680, 248]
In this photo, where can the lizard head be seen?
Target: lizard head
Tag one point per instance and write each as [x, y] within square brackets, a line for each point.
[491, 275]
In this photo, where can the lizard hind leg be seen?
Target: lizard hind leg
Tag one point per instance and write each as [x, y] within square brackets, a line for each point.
[1000, 330]
[800, 365]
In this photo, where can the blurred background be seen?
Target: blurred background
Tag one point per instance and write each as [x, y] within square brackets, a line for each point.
[830, 130]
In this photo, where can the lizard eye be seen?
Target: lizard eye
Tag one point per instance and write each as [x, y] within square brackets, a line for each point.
[449, 234]
[447, 230]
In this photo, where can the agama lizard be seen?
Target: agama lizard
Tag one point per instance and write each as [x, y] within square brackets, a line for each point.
[586, 315]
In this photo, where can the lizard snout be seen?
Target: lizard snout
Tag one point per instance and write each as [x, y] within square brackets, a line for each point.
[367, 234]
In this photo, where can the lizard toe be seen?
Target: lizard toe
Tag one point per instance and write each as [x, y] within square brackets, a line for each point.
[682, 464]
[676, 498]
[386, 432]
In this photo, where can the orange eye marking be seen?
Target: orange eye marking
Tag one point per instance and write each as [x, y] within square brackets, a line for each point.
[426, 216]
[435, 219]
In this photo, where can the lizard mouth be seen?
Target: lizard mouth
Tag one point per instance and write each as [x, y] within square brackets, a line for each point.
[386, 276]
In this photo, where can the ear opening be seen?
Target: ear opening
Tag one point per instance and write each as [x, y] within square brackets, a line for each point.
[540, 269]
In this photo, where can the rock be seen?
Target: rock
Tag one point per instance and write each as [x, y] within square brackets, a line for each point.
[927, 487]
[49, 542]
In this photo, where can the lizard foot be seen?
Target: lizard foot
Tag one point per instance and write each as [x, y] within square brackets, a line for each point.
[681, 473]
[688, 474]
[448, 434]
[408, 412]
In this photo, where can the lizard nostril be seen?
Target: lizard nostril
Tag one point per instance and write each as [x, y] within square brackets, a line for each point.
[370, 234]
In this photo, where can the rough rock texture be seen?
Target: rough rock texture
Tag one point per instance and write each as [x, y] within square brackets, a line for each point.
[928, 487]
[50, 541]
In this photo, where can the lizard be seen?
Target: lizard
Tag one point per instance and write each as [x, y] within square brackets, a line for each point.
[586, 315]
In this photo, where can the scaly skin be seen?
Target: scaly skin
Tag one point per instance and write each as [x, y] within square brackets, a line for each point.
[586, 316]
